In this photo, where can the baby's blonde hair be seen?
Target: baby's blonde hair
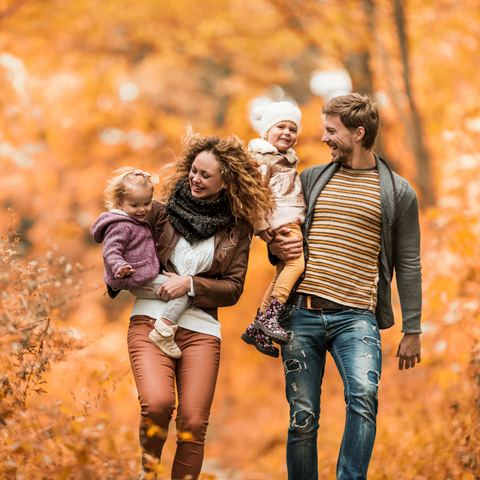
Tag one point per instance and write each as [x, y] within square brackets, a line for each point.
[128, 179]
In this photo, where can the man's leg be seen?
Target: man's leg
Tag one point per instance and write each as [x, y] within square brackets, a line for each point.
[304, 365]
[357, 350]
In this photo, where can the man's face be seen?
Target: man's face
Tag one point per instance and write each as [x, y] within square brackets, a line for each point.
[339, 138]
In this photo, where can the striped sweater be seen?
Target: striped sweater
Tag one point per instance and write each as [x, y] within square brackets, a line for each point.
[344, 240]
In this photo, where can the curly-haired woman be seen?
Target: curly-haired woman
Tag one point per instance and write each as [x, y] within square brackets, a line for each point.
[203, 233]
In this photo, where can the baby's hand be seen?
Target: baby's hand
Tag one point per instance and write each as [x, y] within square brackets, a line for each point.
[125, 271]
[266, 235]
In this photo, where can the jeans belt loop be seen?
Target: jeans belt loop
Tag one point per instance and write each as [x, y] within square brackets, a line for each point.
[299, 301]
[309, 302]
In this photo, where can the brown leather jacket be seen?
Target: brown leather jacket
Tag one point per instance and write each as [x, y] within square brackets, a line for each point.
[222, 284]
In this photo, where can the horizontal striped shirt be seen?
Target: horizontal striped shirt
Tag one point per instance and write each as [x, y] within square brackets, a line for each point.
[344, 240]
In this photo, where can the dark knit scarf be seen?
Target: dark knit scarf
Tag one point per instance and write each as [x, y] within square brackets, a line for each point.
[194, 218]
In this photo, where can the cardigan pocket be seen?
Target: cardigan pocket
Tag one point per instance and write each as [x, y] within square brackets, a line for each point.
[140, 264]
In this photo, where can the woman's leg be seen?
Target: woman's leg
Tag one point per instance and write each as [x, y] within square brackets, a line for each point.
[196, 377]
[154, 374]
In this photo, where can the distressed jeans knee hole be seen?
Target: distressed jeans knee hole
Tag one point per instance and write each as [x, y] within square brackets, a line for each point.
[291, 365]
[301, 419]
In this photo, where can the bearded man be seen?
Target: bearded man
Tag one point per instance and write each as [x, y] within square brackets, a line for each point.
[362, 225]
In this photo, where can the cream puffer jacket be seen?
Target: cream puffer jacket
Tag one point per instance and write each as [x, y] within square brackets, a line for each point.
[279, 172]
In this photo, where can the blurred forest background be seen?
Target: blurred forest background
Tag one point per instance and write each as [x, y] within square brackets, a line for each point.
[88, 86]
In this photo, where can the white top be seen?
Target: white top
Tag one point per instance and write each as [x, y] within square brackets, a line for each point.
[187, 260]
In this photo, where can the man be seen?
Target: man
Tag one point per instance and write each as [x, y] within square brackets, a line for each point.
[361, 225]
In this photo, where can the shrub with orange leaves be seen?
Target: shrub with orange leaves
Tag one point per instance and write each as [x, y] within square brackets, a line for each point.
[52, 440]
[55, 439]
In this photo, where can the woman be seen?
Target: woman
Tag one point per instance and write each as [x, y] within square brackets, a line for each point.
[214, 198]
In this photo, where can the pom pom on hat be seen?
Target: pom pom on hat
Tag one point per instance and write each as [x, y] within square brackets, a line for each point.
[257, 112]
[276, 112]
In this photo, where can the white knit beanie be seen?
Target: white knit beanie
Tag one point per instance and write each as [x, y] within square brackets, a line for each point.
[276, 112]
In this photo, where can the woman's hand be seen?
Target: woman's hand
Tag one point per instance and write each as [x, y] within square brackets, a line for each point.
[285, 248]
[174, 288]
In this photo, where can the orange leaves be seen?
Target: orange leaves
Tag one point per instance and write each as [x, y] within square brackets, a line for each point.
[202, 62]
[442, 290]
[156, 431]
[185, 436]
[67, 231]
[465, 242]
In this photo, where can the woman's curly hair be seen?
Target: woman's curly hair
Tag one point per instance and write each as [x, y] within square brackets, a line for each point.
[245, 194]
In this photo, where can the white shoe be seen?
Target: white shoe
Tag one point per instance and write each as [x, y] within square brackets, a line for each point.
[163, 337]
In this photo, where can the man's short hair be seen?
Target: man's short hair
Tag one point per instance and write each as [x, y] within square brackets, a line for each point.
[355, 111]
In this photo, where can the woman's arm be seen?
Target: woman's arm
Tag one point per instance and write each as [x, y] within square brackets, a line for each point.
[224, 291]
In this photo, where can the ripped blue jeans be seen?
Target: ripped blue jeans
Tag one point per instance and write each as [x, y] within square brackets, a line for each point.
[353, 339]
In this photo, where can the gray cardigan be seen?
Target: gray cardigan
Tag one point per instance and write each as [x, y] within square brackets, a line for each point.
[400, 241]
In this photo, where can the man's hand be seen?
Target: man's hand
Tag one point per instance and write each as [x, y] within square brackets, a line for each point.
[173, 288]
[285, 248]
[409, 350]
[266, 235]
[125, 271]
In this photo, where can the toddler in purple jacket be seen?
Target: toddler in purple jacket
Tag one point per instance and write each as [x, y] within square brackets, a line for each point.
[129, 249]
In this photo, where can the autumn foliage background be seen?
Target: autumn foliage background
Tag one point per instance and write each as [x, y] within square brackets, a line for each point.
[87, 87]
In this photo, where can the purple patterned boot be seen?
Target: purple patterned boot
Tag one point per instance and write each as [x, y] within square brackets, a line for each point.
[268, 323]
[261, 342]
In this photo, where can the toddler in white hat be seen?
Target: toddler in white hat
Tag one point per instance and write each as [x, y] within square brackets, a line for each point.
[277, 162]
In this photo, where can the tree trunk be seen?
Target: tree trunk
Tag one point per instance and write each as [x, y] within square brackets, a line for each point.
[358, 66]
[409, 116]
[422, 157]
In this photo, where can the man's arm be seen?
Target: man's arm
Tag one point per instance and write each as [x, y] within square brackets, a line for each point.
[409, 351]
[409, 279]
[283, 248]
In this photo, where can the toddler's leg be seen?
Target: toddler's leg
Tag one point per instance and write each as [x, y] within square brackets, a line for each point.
[163, 335]
[156, 283]
[269, 323]
[254, 336]
[175, 308]
[291, 271]
[268, 294]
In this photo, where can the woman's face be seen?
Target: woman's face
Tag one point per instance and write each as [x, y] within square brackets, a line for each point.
[205, 177]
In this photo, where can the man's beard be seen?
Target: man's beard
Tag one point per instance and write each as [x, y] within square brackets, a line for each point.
[342, 153]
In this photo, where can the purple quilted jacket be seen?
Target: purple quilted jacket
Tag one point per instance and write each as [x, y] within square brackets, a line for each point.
[126, 241]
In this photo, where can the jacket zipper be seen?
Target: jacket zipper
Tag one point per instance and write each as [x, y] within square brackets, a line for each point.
[225, 249]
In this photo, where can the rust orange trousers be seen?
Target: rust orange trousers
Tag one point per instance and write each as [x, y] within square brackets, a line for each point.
[195, 376]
